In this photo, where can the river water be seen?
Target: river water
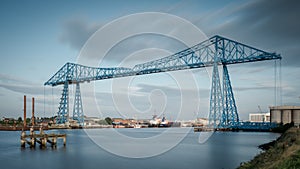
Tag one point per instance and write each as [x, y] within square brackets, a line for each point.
[221, 150]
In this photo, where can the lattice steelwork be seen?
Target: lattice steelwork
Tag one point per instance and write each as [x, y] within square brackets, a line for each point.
[216, 101]
[63, 109]
[214, 51]
[78, 109]
[230, 116]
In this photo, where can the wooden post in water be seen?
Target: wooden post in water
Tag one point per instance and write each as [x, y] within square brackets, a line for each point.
[44, 142]
[44, 139]
[41, 130]
[33, 140]
[54, 141]
[31, 131]
[23, 141]
[65, 140]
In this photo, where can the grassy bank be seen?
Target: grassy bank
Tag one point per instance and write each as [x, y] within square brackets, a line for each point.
[283, 153]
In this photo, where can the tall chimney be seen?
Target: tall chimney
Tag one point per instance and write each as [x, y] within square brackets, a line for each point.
[32, 120]
[24, 121]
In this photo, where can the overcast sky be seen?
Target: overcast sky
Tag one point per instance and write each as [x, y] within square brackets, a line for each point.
[39, 37]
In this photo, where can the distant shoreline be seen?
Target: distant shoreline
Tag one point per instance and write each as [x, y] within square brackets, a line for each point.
[36, 128]
[27, 128]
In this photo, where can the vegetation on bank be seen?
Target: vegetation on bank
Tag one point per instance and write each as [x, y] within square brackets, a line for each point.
[283, 128]
[10, 122]
[282, 153]
[13, 122]
[106, 121]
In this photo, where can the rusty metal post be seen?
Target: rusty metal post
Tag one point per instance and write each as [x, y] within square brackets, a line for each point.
[24, 120]
[32, 120]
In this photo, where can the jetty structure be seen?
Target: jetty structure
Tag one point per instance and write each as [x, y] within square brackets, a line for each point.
[41, 138]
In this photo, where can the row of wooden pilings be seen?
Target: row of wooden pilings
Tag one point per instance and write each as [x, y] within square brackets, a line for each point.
[32, 138]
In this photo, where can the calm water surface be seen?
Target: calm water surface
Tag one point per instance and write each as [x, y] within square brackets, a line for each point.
[222, 150]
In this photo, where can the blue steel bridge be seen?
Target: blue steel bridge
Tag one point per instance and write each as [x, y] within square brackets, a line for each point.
[213, 52]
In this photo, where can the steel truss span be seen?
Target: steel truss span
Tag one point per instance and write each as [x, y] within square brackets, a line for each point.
[214, 52]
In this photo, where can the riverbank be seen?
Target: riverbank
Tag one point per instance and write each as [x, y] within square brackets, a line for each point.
[53, 127]
[282, 153]
[20, 128]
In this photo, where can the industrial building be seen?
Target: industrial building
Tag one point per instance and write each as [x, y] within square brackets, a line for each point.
[285, 114]
[259, 117]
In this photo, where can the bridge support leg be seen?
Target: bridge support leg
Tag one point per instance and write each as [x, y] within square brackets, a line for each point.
[230, 118]
[78, 109]
[216, 101]
[63, 110]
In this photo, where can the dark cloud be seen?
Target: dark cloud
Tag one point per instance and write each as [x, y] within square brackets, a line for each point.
[18, 85]
[256, 88]
[77, 31]
[23, 86]
[138, 43]
[24, 89]
[174, 92]
[291, 94]
[271, 26]
[5, 78]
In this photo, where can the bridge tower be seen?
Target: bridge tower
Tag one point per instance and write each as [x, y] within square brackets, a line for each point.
[230, 116]
[78, 109]
[63, 109]
[223, 110]
[216, 98]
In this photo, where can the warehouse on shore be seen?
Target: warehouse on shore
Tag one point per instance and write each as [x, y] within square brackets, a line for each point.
[285, 114]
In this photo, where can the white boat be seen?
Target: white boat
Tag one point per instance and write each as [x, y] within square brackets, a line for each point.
[155, 121]
[164, 122]
[137, 126]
